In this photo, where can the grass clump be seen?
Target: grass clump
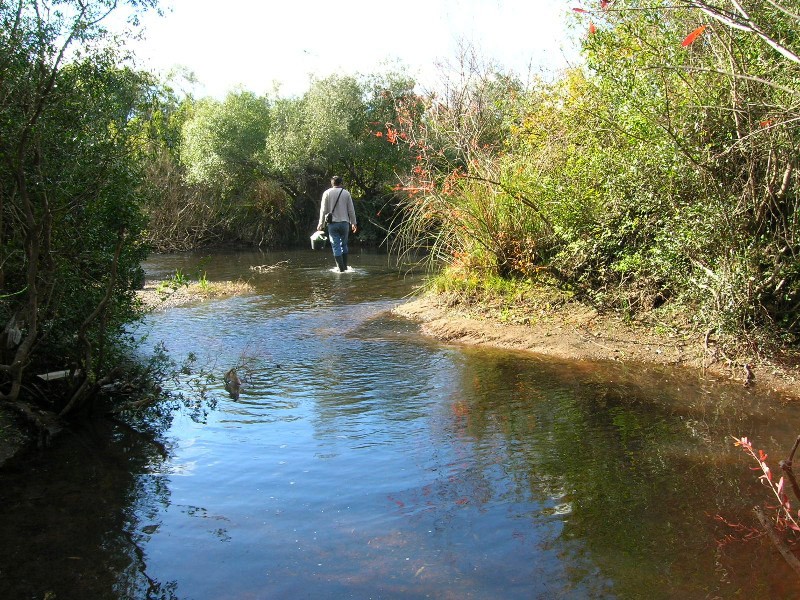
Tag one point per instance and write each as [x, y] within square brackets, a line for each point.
[513, 301]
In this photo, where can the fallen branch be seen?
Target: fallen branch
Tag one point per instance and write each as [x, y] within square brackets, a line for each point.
[268, 268]
[786, 467]
[787, 554]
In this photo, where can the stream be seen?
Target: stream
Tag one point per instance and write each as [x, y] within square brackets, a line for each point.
[364, 460]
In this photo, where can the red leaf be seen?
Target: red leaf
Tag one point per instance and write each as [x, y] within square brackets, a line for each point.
[604, 4]
[592, 28]
[580, 10]
[765, 122]
[689, 39]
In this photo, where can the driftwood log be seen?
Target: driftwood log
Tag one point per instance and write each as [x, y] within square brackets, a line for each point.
[785, 551]
[766, 523]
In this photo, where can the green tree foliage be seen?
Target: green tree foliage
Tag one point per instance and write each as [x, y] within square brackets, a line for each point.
[223, 151]
[252, 169]
[179, 215]
[69, 218]
[662, 170]
[223, 142]
[348, 126]
[725, 97]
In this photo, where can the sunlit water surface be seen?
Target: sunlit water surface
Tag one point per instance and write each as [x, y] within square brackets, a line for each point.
[362, 460]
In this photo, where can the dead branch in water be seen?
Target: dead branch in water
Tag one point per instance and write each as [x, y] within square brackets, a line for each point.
[786, 467]
[785, 551]
[268, 268]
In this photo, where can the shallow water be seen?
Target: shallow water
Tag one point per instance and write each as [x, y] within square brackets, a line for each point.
[362, 460]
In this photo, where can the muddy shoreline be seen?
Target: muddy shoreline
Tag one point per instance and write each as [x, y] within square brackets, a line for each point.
[580, 333]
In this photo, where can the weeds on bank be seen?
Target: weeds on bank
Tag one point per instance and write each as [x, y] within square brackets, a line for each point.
[221, 289]
[520, 301]
[202, 288]
[173, 283]
[202, 281]
[179, 290]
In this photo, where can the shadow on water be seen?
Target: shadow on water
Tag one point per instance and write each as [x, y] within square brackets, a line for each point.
[362, 460]
[74, 518]
[636, 463]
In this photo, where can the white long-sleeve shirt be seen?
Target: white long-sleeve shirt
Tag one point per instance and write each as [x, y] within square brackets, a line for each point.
[345, 211]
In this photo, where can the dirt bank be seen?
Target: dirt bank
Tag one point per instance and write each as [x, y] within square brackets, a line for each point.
[576, 332]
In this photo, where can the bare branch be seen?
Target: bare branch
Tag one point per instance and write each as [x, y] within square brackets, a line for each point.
[783, 9]
[742, 22]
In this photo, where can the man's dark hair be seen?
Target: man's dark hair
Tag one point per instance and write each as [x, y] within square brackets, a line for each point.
[336, 180]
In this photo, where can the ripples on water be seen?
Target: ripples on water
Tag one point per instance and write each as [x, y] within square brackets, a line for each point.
[363, 461]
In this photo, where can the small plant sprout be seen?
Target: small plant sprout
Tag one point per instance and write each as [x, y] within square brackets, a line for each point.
[202, 280]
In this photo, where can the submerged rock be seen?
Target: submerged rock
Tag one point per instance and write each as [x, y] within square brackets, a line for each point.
[233, 384]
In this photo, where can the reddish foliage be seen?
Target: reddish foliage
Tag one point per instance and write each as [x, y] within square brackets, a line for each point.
[738, 532]
[784, 518]
[689, 39]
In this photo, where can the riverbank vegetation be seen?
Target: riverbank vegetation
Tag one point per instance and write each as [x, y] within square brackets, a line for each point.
[657, 178]
[70, 218]
[180, 290]
[251, 169]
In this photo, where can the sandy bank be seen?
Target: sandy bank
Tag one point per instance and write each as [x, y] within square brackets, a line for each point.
[156, 296]
[578, 333]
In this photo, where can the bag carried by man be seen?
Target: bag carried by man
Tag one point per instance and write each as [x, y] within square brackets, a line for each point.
[329, 216]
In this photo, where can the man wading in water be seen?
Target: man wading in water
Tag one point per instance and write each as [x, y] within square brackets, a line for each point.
[338, 213]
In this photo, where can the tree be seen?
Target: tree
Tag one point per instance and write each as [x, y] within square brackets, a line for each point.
[662, 170]
[69, 219]
[343, 125]
[720, 80]
[223, 152]
[223, 142]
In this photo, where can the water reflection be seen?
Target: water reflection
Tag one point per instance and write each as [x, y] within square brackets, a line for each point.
[75, 520]
[361, 460]
[636, 467]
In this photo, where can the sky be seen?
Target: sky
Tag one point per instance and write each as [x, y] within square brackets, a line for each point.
[254, 44]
